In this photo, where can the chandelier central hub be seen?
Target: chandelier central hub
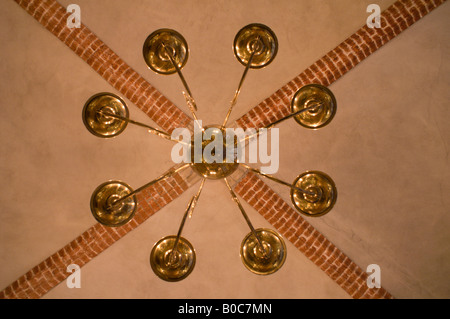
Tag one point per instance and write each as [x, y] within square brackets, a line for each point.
[213, 153]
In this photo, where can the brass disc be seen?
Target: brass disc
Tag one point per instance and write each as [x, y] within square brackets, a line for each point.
[254, 258]
[259, 38]
[316, 182]
[101, 125]
[310, 95]
[102, 201]
[207, 166]
[155, 55]
[172, 265]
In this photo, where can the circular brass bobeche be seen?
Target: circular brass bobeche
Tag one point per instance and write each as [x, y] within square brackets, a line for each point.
[316, 182]
[207, 167]
[263, 263]
[101, 125]
[308, 96]
[103, 208]
[155, 55]
[172, 265]
[259, 38]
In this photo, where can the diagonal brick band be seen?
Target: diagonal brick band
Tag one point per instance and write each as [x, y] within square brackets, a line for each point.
[340, 60]
[306, 238]
[108, 64]
[53, 270]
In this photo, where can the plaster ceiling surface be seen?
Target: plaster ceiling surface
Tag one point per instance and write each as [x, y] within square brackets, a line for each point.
[387, 149]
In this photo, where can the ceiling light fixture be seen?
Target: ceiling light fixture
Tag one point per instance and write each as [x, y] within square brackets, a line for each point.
[312, 193]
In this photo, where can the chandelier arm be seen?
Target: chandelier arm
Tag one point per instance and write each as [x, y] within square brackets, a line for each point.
[183, 80]
[269, 126]
[156, 180]
[304, 191]
[247, 219]
[188, 212]
[191, 105]
[151, 129]
[233, 102]
[316, 105]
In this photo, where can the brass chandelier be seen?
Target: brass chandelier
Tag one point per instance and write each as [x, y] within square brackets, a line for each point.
[313, 193]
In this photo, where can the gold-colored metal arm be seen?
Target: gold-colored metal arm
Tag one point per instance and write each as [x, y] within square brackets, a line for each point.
[191, 105]
[188, 212]
[236, 200]
[318, 106]
[160, 178]
[180, 74]
[150, 128]
[257, 171]
[233, 102]
[269, 126]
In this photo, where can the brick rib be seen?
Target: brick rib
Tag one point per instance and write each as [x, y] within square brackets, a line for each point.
[340, 60]
[108, 64]
[306, 238]
[53, 270]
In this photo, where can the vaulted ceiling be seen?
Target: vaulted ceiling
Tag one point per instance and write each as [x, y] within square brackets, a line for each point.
[386, 149]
